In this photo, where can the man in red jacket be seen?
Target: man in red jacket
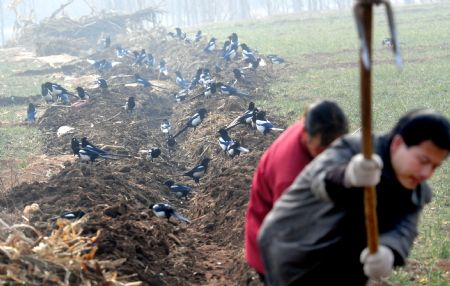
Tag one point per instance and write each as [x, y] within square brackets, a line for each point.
[323, 122]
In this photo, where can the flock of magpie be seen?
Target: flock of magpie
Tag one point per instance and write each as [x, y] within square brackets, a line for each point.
[202, 85]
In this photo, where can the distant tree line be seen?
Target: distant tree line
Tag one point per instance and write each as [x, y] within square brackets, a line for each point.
[183, 13]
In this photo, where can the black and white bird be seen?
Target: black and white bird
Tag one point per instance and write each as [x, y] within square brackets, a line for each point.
[197, 118]
[181, 82]
[46, 93]
[163, 68]
[83, 95]
[247, 117]
[238, 75]
[75, 146]
[196, 79]
[142, 81]
[166, 126]
[229, 90]
[72, 215]
[167, 211]
[234, 40]
[211, 46]
[69, 215]
[153, 153]
[230, 54]
[263, 125]
[121, 52]
[103, 65]
[387, 42]
[235, 149]
[102, 84]
[31, 113]
[198, 171]
[275, 59]
[181, 95]
[181, 191]
[130, 104]
[106, 42]
[198, 36]
[224, 139]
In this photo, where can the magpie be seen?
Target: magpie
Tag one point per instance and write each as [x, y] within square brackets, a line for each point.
[247, 54]
[210, 46]
[139, 57]
[181, 95]
[153, 153]
[181, 191]
[235, 149]
[180, 34]
[130, 104]
[64, 98]
[224, 139]
[82, 94]
[172, 34]
[230, 54]
[210, 89]
[194, 120]
[102, 84]
[255, 64]
[107, 42]
[142, 81]
[166, 126]
[238, 75]
[150, 61]
[181, 82]
[275, 59]
[246, 118]
[262, 124]
[229, 90]
[70, 215]
[121, 52]
[387, 42]
[103, 65]
[205, 76]
[171, 141]
[198, 36]
[195, 80]
[89, 152]
[46, 93]
[225, 48]
[198, 171]
[163, 68]
[75, 145]
[31, 113]
[167, 211]
[234, 40]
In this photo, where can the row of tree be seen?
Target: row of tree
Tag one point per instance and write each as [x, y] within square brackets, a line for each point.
[178, 12]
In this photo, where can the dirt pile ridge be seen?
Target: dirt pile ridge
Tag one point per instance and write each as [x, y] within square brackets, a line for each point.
[115, 194]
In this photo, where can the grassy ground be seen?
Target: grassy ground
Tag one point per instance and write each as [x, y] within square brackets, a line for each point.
[17, 139]
[322, 54]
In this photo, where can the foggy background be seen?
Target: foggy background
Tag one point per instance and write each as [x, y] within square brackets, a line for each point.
[181, 13]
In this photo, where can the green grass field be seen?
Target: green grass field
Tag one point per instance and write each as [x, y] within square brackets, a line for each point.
[322, 51]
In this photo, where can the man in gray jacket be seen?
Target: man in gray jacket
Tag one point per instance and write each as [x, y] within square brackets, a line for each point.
[315, 234]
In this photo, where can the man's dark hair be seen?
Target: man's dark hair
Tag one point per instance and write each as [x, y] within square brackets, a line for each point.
[326, 119]
[421, 125]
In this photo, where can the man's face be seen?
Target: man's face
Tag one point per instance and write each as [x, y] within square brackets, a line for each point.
[314, 145]
[415, 164]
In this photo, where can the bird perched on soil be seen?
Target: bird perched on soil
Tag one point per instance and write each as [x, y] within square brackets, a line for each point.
[229, 90]
[224, 139]
[181, 191]
[198, 171]
[262, 124]
[130, 105]
[165, 126]
[231, 147]
[167, 211]
[69, 215]
[102, 84]
[210, 46]
[153, 153]
[238, 76]
[31, 113]
[181, 82]
[198, 36]
[275, 59]
[142, 81]
[75, 146]
[163, 68]
[82, 94]
[193, 121]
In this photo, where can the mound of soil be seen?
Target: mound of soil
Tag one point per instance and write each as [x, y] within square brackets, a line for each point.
[115, 194]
